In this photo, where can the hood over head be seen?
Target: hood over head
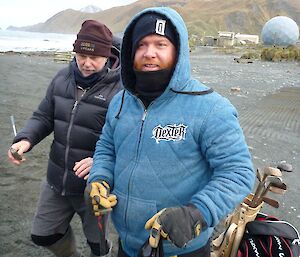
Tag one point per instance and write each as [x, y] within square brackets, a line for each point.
[177, 33]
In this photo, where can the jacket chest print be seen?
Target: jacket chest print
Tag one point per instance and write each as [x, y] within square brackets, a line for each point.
[169, 132]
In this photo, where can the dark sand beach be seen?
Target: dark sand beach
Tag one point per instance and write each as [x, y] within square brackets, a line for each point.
[268, 102]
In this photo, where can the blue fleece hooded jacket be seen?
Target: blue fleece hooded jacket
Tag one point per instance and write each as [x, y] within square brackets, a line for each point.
[186, 147]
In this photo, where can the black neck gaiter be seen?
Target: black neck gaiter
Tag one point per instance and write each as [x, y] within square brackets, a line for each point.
[151, 84]
[88, 81]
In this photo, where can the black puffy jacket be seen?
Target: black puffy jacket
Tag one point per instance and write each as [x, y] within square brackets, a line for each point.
[76, 124]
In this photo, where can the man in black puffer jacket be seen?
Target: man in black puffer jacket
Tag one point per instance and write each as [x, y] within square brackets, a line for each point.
[74, 109]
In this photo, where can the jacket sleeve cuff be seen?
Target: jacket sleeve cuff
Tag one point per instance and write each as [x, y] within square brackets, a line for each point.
[197, 216]
[18, 139]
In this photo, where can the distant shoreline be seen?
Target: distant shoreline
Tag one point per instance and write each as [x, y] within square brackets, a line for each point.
[36, 53]
[56, 56]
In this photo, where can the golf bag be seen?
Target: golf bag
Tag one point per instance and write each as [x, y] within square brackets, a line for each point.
[227, 243]
[267, 236]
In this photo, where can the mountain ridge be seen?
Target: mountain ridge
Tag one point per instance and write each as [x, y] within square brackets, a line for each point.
[90, 9]
[202, 17]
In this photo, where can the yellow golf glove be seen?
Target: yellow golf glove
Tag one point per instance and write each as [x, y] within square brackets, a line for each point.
[102, 200]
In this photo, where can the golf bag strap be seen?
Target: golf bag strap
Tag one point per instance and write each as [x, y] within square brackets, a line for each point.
[221, 246]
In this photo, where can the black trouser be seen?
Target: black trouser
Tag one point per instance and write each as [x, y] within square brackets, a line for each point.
[201, 252]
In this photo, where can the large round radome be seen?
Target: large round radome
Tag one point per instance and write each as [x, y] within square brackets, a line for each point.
[280, 31]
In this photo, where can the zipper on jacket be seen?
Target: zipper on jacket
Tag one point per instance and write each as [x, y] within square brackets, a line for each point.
[68, 135]
[68, 146]
[140, 134]
[74, 105]
[144, 116]
[136, 159]
[84, 90]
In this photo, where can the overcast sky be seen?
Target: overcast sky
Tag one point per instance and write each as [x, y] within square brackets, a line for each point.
[29, 12]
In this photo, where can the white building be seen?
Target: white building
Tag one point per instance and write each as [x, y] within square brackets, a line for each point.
[244, 38]
[225, 38]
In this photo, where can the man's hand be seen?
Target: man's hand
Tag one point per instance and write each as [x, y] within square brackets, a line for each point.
[177, 224]
[15, 152]
[102, 200]
[83, 167]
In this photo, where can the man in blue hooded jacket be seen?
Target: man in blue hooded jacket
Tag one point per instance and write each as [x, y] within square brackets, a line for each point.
[172, 150]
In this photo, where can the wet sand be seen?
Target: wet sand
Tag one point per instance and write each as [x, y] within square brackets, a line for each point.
[268, 104]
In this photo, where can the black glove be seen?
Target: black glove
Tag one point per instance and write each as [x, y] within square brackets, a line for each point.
[148, 251]
[177, 224]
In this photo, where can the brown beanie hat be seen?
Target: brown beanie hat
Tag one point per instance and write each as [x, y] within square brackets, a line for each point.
[94, 38]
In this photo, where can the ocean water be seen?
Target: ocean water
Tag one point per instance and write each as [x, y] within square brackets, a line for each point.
[21, 41]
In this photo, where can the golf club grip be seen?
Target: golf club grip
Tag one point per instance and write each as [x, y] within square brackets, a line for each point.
[102, 243]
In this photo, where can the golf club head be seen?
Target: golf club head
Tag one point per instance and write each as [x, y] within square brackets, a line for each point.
[271, 171]
[263, 188]
[270, 201]
[275, 182]
[271, 181]
[278, 190]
